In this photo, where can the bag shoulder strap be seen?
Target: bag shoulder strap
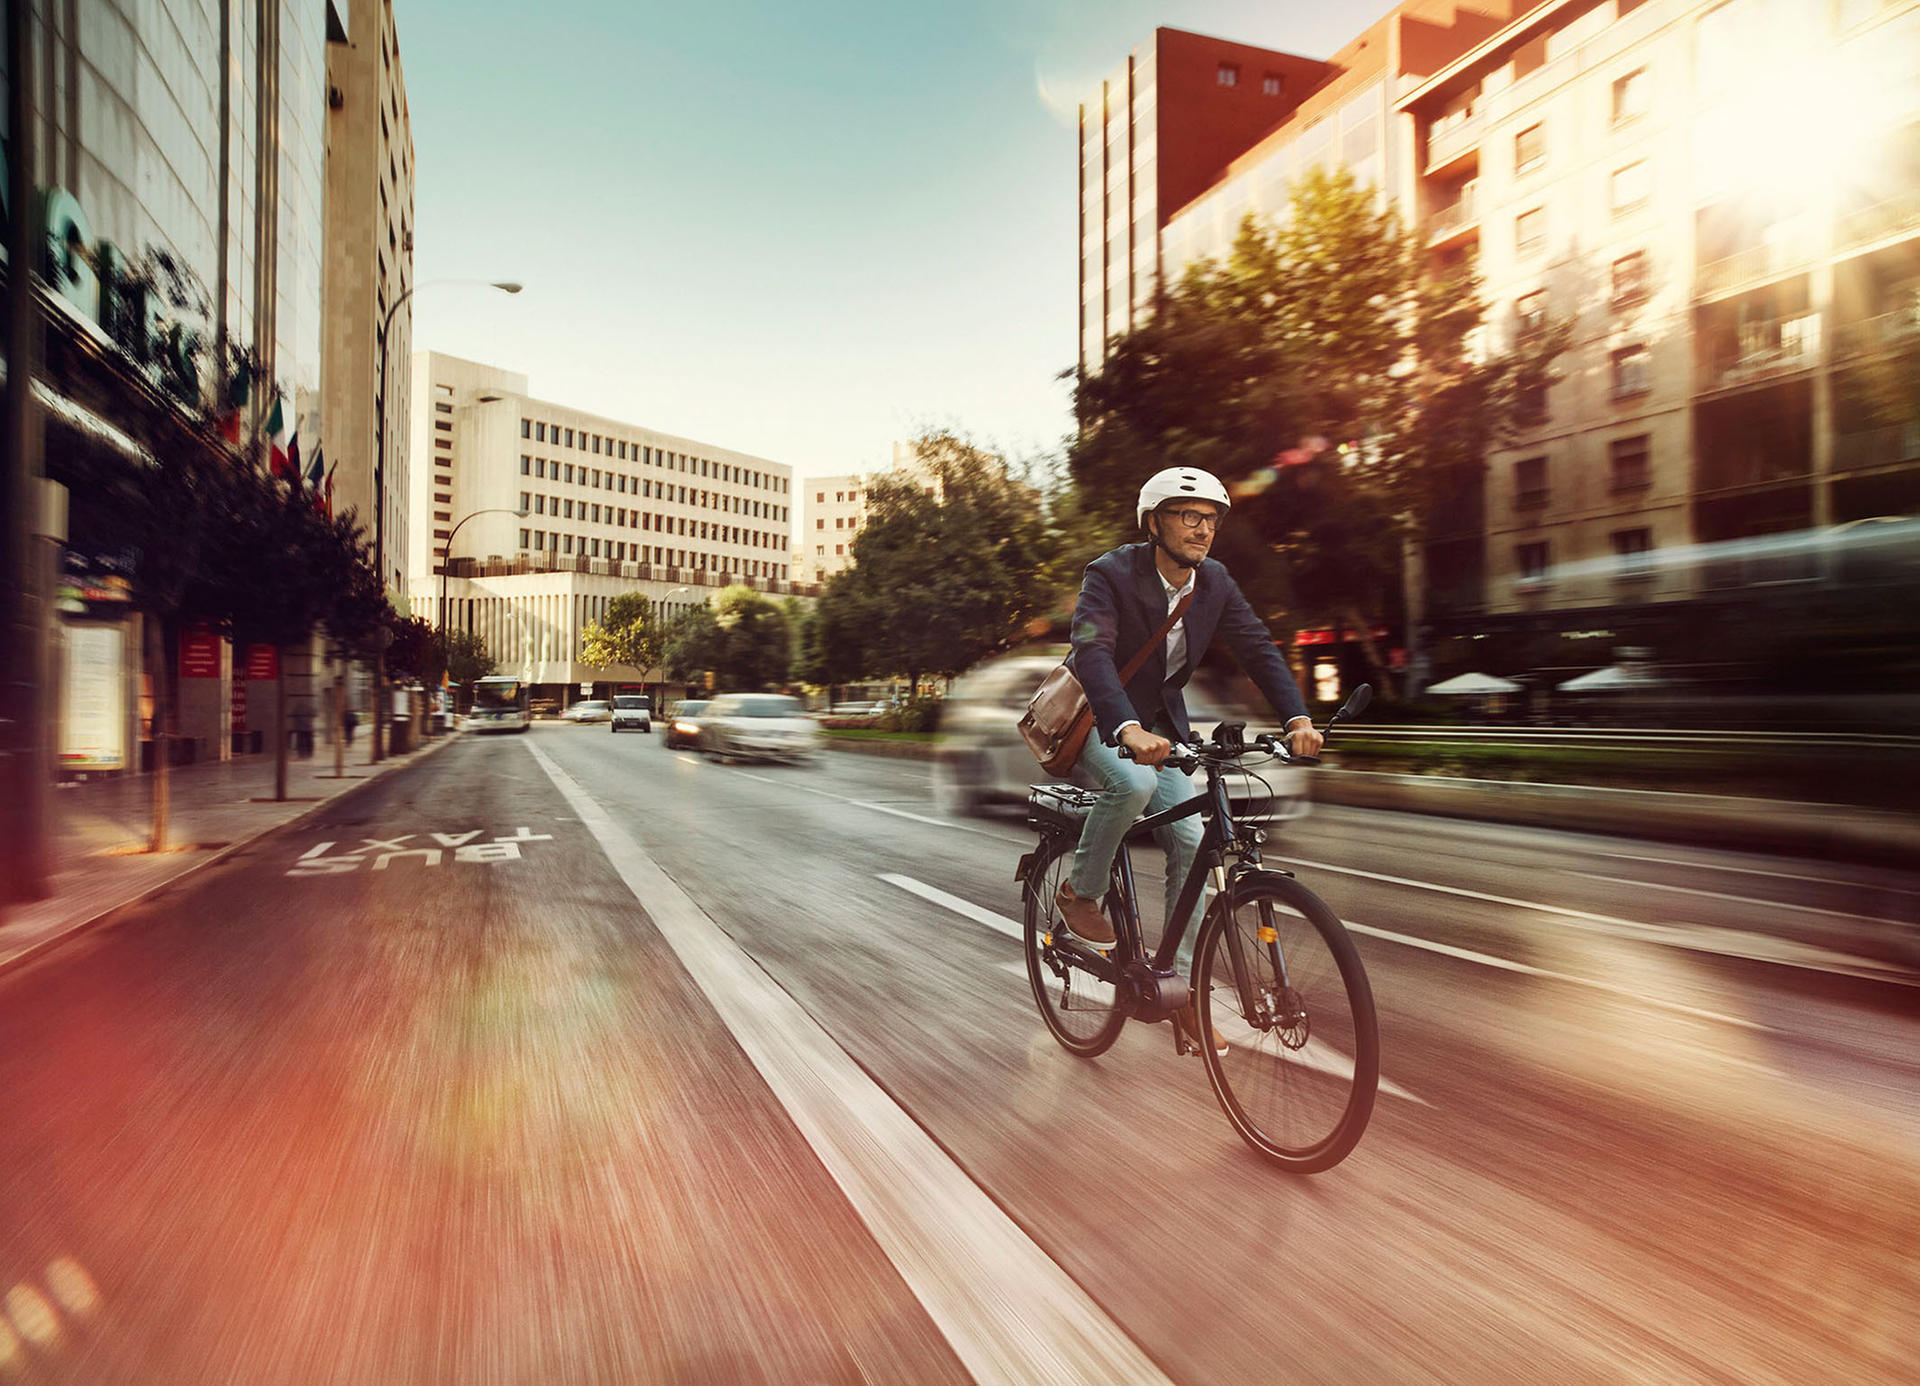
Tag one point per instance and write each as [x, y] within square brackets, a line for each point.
[1153, 641]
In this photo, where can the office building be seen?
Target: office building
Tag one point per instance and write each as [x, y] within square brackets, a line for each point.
[611, 507]
[368, 280]
[196, 133]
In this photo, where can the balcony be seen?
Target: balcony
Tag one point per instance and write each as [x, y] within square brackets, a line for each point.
[1452, 138]
[1750, 266]
[1878, 221]
[1882, 333]
[1454, 221]
[1765, 350]
[1877, 447]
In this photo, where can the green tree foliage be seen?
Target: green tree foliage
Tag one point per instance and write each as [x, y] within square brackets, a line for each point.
[741, 638]
[949, 567]
[468, 657]
[1338, 383]
[415, 651]
[631, 635]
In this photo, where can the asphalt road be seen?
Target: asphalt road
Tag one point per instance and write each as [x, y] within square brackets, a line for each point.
[678, 1071]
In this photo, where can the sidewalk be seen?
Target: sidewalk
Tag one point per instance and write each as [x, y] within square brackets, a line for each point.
[100, 829]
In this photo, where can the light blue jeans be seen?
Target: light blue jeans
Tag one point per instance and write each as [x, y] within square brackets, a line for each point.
[1128, 789]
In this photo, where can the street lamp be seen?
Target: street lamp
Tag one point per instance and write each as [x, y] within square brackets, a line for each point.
[446, 550]
[380, 489]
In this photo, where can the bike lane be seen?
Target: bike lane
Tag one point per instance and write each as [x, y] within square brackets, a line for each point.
[416, 1092]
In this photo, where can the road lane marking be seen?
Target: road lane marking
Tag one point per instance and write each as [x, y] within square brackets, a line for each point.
[966, 908]
[1739, 899]
[1010, 1313]
[1756, 871]
[1328, 1062]
[1448, 950]
[877, 808]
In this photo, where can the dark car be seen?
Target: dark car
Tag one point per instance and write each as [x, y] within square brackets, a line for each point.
[683, 728]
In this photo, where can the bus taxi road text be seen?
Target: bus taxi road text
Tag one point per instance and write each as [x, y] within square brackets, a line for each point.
[382, 852]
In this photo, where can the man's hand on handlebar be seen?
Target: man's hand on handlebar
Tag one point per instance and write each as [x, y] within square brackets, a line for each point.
[1143, 745]
[1304, 740]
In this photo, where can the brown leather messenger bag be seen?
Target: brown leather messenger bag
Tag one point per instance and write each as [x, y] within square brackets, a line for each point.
[1059, 718]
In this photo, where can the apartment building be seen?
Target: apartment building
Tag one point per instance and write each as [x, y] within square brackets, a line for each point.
[368, 278]
[1152, 137]
[1723, 198]
[834, 508]
[544, 513]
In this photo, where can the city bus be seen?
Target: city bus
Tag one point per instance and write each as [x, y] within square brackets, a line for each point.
[499, 704]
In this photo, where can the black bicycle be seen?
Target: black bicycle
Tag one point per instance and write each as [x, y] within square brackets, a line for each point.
[1276, 975]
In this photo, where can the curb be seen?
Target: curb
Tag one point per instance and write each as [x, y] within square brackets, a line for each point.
[35, 951]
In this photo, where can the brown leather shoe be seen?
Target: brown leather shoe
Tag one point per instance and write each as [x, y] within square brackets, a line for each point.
[1186, 1025]
[1083, 918]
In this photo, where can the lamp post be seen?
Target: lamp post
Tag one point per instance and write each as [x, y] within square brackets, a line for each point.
[446, 550]
[380, 491]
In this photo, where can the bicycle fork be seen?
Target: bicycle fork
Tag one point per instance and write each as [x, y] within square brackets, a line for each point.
[1264, 1007]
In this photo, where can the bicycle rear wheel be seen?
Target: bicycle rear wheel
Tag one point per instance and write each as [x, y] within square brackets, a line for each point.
[1081, 1010]
[1281, 981]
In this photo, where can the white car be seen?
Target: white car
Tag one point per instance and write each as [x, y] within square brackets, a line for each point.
[590, 711]
[758, 726]
[981, 763]
[632, 712]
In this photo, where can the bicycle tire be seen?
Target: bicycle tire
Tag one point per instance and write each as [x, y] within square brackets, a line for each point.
[1090, 1029]
[1298, 1082]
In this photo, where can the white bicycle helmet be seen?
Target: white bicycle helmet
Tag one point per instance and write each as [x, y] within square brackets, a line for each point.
[1173, 484]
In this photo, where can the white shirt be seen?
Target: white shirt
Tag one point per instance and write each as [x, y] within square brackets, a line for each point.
[1176, 638]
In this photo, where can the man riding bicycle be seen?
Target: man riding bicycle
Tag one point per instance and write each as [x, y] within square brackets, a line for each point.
[1125, 597]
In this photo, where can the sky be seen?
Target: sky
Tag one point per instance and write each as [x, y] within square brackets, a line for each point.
[798, 230]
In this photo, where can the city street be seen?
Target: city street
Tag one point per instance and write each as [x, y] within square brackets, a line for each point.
[568, 1058]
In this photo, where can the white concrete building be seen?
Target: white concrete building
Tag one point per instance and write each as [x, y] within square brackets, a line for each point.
[610, 507]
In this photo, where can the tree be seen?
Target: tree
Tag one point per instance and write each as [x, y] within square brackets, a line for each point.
[693, 648]
[741, 638]
[632, 635]
[1336, 381]
[468, 658]
[942, 575]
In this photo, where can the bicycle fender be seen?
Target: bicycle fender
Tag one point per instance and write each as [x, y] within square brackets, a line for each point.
[1255, 875]
[1026, 865]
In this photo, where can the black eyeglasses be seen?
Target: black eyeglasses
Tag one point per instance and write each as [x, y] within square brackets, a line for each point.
[1196, 519]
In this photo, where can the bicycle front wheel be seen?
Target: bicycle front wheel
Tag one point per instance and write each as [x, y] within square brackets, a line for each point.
[1280, 980]
[1082, 1011]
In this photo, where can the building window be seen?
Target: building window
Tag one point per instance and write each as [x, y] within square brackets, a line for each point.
[526, 465]
[1530, 313]
[1529, 149]
[1630, 371]
[1633, 552]
[526, 428]
[819, 524]
[539, 540]
[1631, 462]
[596, 548]
[566, 543]
[1530, 561]
[596, 442]
[569, 470]
[1630, 187]
[523, 538]
[442, 426]
[1630, 277]
[526, 499]
[1530, 483]
[539, 433]
[1272, 84]
[1530, 231]
[1228, 75]
[539, 504]
[540, 466]
[819, 497]
[1630, 95]
[568, 510]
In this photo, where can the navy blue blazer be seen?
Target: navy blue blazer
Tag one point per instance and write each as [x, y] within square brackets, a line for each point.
[1122, 603]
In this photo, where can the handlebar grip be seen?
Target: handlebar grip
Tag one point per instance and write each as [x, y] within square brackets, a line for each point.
[1304, 760]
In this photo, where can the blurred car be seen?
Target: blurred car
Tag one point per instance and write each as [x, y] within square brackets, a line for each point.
[683, 727]
[632, 712]
[982, 764]
[869, 709]
[587, 712]
[758, 726]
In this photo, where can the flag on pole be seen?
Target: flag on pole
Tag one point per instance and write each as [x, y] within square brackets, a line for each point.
[278, 438]
[238, 391]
